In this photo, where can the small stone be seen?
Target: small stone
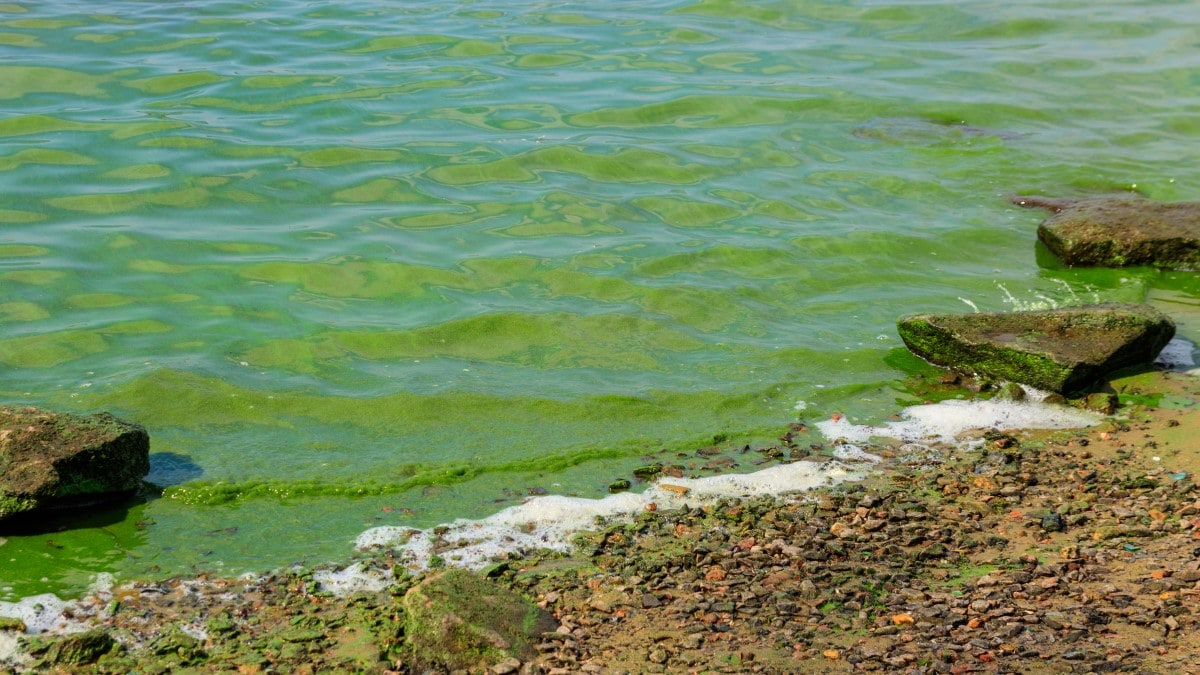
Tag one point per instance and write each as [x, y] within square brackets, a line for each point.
[619, 485]
[1114, 531]
[510, 665]
[1010, 391]
[874, 524]
[1052, 623]
[1053, 522]
[648, 472]
[869, 501]
[1101, 402]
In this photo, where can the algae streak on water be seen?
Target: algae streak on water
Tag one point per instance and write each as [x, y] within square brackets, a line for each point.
[453, 254]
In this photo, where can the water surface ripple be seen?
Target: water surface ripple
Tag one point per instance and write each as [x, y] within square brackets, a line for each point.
[372, 263]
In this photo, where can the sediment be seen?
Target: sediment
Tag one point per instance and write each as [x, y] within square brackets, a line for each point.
[1068, 551]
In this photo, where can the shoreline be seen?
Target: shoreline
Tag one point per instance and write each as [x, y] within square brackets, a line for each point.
[1051, 551]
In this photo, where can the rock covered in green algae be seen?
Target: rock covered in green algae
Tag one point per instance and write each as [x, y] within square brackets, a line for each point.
[77, 649]
[1062, 350]
[52, 459]
[174, 642]
[1120, 232]
[459, 620]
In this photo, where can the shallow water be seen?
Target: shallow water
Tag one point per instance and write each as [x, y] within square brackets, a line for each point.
[369, 264]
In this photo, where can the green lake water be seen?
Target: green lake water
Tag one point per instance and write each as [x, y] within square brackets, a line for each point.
[378, 263]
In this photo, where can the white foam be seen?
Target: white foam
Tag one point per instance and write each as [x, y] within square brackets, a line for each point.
[39, 613]
[352, 579]
[945, 421]
[103, 583]
[548, 522]
[11, 654]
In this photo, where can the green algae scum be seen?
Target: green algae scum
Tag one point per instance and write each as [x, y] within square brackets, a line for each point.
[368, 263]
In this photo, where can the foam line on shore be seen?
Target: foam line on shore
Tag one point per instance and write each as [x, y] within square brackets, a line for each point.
[352, 579]
[947, 420]
[549, 522]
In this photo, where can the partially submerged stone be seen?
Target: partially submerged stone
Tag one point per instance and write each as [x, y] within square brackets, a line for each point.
[1061, 350]
[50, 460]
[459, 620]
[1120, 232]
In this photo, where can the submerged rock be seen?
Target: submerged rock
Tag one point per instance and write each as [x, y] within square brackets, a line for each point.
[52, 460]
[1119, 232]
[1062, 350]
[459, 620]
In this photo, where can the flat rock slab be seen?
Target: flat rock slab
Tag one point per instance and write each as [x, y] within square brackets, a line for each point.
[50, 459]
[1060, 350]
[1120, 232]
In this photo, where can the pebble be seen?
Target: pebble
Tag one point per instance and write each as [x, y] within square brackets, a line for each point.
[506, 666]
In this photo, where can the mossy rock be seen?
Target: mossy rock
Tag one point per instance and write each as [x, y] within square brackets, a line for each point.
[1120, 232]
[54, 460]
[78, 649]
[461, 621]
[174, 642]
[1063, 350]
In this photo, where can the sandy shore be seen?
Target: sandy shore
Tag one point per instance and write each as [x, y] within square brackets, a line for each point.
[1064, 551]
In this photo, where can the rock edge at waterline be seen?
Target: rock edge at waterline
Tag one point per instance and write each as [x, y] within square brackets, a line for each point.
[1120, 232]
[1061, 350]
[58, 460]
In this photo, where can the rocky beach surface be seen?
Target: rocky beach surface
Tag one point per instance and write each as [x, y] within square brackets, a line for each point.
[1022, 552]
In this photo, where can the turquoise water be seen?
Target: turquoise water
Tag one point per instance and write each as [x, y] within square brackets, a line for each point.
[375, 263]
